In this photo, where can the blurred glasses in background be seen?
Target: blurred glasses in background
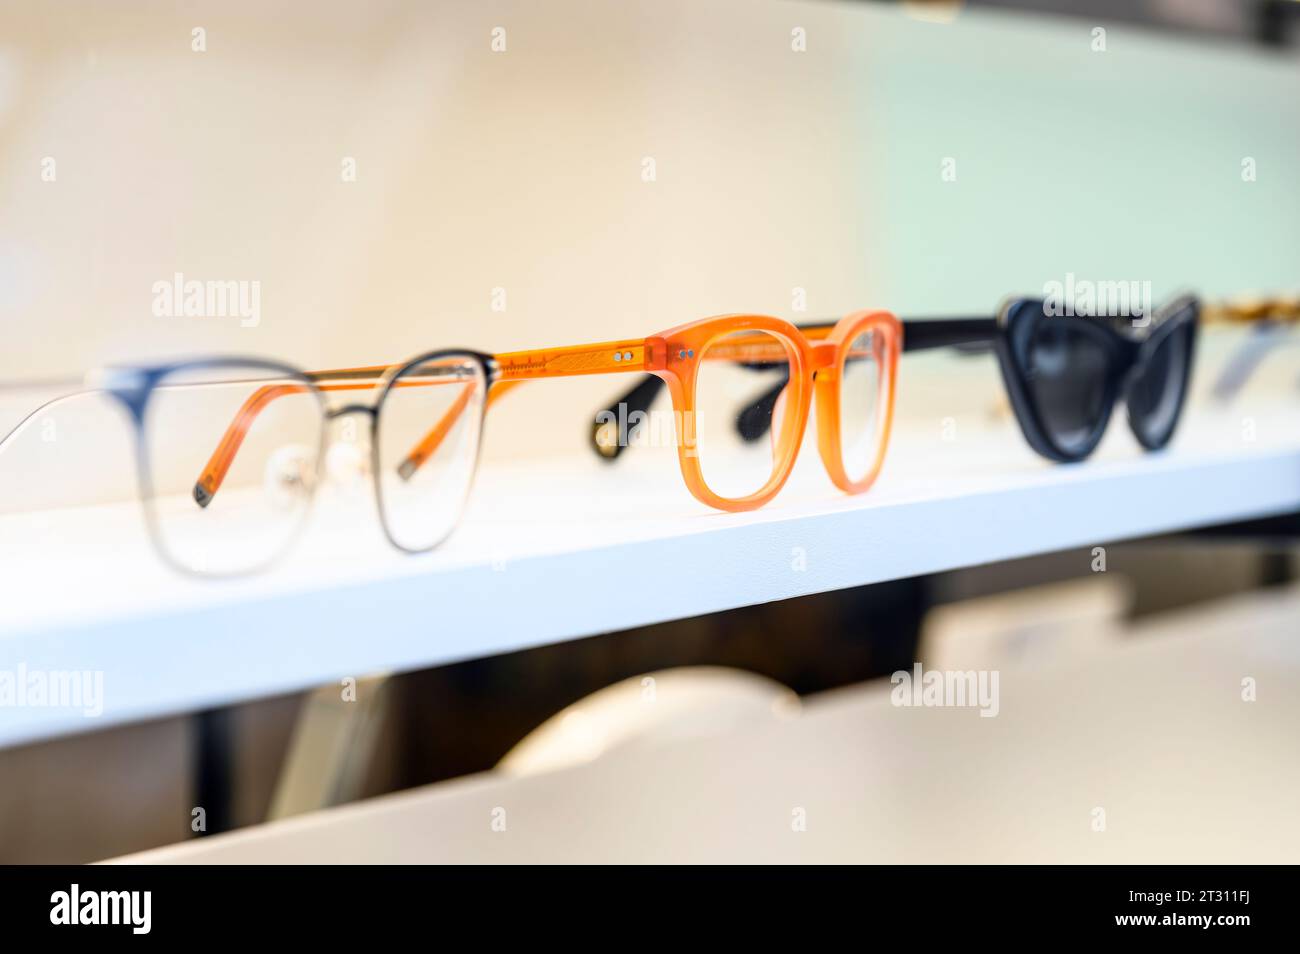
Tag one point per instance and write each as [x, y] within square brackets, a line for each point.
[1273, 322]
[230, 451]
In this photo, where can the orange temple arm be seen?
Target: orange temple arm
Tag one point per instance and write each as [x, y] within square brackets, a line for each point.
[431, 441]
[641, 354]
[610, 357]
[218, 465]
[515, 367]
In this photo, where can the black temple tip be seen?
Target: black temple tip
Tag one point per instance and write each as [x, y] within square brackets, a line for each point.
[605, 437]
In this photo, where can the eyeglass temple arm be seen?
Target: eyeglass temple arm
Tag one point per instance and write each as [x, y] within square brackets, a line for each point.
[218, 465]
[969, 335]
[515, 367]
[428, 445]
[27, 419]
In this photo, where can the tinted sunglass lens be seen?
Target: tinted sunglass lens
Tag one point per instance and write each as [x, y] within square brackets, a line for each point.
[1155, 395]
[1068, 370]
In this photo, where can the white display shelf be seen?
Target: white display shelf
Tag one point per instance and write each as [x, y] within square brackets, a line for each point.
[573, 548]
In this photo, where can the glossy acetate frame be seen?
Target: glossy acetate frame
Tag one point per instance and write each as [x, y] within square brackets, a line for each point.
[815, 359]
[753, 418]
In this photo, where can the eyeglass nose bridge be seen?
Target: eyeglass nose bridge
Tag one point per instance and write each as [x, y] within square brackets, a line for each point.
[346, 464]
[823, 355]
[344, 412]
[1138, 357]
[335, 413]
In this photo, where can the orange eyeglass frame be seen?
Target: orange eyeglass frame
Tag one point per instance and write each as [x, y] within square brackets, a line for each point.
[816, 360]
